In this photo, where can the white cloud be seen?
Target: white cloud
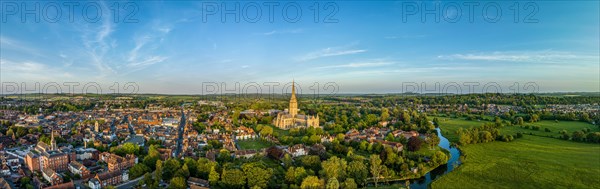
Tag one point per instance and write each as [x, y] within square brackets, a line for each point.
[274, 32]
[547, 56]
[406, 37]
[9, 43]
[143, 55]
[33, 71]
[147, 62]
[328, 52]
[98, 44]
[359, 65]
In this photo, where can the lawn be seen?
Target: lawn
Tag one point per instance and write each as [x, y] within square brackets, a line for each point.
[253, 144]
[280, 132]
[528, 162]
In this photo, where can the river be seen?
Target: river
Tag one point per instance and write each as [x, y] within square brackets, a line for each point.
[423, 182]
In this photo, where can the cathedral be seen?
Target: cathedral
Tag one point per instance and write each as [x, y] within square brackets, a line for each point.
[291, 119]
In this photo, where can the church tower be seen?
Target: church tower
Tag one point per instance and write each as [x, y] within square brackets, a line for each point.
[52, 142]
[293, 110]
[96, 126]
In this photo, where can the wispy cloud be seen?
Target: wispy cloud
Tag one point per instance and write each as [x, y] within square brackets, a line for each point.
[9, 43]
[546, 56]
[329, 52]
[406, 37]
[274, 32]
[147, 61]
[145, 45]
[98, 44]
[358, 65]
[32, 70]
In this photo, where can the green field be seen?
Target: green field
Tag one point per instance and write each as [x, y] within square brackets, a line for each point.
[555, 128]
[253, 144]
[449, 126]
[528, 162]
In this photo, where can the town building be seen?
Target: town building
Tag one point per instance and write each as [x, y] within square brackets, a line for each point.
[111, 178]
[52, 177]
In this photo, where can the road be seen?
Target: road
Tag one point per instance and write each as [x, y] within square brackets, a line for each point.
[180, 135]
[131, 130]
[129, 184]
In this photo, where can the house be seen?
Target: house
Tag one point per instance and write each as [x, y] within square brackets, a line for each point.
[194, 182]
[78, 168]
[297, 150]
[68, 185]
[5, 171]
[245, 153]
[4, 184]
[275, 152]
[51, 176]
[405, 134]
[87, 153]
[116, 162]
[111, 178]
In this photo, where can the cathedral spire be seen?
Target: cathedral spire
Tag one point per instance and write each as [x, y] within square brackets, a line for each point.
[293, 89]
[293, 110]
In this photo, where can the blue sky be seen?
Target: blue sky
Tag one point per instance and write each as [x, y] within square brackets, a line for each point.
[365, 47]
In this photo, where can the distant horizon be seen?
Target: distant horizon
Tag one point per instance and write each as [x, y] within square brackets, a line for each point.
[299, 94]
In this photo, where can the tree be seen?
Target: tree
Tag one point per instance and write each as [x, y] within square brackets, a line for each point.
[434, 141]
[578, 136]
[385, 114]
[406, 118]
[159, 171]
[287, 160]
[138, 170]
[171, 166]
[534, 118]
[183, 172]
[204, 165]
[295, 175]
[519, 121]
[593, 137]
[312, 182]
[214, 176]
[192, 165]
[332, 183]
[311, 161]
[486, 136]
[266, 130]
[10, 132]
[414, 144]
[257, 174]
[334, 167]
[376, 167]
[358, 171]
[233, 178]
[178, 183]
[439, 158]
[390, 137]
[349, 184]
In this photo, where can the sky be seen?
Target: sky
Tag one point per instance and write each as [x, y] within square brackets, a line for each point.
[187, 47]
